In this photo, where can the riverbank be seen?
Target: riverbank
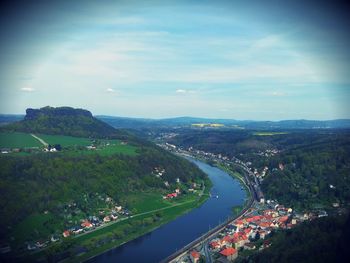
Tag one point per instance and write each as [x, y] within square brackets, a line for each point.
[169, 238]
[233, 174]
[160, 217]
[237, 212]
[116, 233]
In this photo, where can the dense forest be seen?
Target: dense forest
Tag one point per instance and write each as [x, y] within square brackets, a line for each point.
[321, 240]
[315, 175]
[316, 163]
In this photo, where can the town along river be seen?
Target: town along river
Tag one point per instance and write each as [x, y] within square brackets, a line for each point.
[165, 240]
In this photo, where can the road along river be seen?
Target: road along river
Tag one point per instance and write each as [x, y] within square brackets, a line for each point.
[165, 240]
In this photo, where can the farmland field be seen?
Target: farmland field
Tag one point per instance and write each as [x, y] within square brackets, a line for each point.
[64, 141]
[18, 140]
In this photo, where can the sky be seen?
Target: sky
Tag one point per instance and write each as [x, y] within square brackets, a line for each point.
[257, 60]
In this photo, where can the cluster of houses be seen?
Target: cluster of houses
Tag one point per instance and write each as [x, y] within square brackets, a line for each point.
[17, 150]
[52, 149]
[262, 174]
[241, 232]
[256, 225]
[87, 224]
[268, 152]
[93, 222]
[158, 171]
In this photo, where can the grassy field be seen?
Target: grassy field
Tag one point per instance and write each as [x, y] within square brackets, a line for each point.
[64, 141]
[18, 140]
[268, 133]
[143, 202]
[107, 150]
[104, 147]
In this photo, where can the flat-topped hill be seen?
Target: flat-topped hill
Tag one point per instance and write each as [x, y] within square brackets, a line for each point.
[65, 121]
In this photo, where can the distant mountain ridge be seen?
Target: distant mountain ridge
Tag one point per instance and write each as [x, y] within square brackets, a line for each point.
[183, 122]
[65, 121]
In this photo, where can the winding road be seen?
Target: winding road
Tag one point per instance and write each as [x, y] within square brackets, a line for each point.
[40, 140]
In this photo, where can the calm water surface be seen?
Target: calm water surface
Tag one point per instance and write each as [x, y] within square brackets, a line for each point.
[165, 240]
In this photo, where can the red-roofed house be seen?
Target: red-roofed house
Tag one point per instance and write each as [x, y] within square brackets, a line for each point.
[194, 255]
[230, 253]
[172, 195]
[239, 223]
[268, 217]
[264, 224]
[247, 231]
[283, 219]
[257, 218]
[240, 239]
[215, 244]
[66, 233]
[226, 240]
[86, 224]
[250, 219]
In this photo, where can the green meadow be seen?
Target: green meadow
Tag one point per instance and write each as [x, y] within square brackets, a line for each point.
[18, 140]
[64, 141]
[73, 145]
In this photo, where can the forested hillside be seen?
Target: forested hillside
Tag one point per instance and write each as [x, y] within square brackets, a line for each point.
[313, 175]
[34, 184]
[45, 192]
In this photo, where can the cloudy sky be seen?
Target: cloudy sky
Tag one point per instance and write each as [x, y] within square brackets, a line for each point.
[266, 60]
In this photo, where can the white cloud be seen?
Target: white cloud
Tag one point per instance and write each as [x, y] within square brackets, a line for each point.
[185, 91]
[181, 91]
[110, 90]
[278, 94]
[27, 89]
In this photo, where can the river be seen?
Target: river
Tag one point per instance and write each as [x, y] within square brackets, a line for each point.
[165, 240]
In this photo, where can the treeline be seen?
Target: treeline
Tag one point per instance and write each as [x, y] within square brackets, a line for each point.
[236, 142]
[33, 184]
[321, 240]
